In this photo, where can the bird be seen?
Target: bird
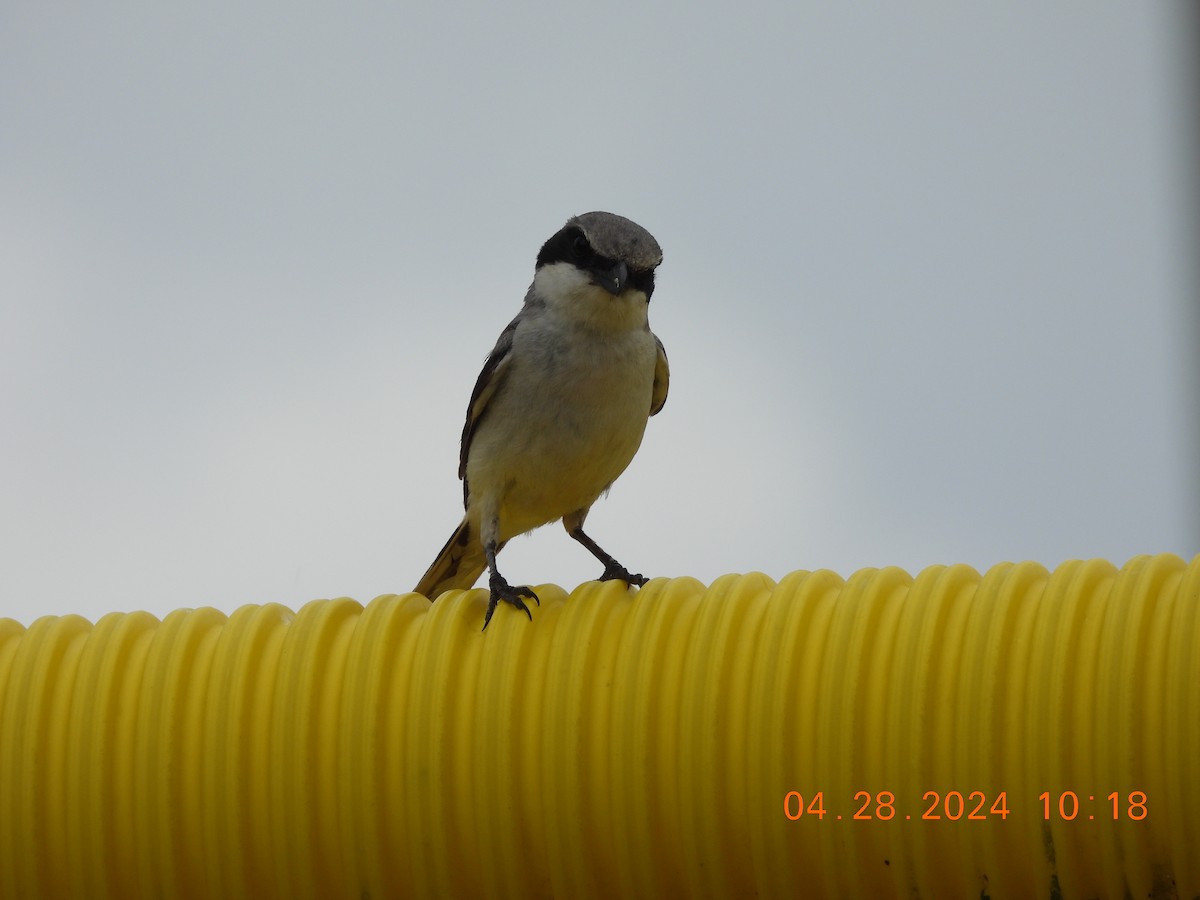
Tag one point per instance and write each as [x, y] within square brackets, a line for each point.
[561, 405]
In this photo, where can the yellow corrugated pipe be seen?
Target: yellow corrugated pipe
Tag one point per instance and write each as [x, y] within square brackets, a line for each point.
[1021, 734]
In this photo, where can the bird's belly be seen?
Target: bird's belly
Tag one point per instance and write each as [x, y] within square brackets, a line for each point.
[557, 454]
[563, 464]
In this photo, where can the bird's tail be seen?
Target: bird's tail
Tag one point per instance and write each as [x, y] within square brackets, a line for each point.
[457, 567]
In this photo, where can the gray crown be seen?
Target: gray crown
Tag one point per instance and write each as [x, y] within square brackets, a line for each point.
[619, 238]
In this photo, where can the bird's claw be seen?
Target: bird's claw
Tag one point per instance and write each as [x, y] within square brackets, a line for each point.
[614, 571]
[502, 590]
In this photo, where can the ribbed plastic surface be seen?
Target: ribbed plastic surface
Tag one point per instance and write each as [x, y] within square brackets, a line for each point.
[623, 743]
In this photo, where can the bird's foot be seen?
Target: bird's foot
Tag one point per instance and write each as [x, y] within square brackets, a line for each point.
[502, 590]
[614, 571]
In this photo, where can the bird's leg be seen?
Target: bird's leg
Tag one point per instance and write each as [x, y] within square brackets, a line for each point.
[613, 570]
[502, 590]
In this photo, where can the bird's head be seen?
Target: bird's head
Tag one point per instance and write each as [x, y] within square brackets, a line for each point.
[600, 268]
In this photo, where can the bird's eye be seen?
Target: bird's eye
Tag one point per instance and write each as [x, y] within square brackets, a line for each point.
[643, 280]
[581, 246]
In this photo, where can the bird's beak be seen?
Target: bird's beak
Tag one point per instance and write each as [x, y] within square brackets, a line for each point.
[612, 280]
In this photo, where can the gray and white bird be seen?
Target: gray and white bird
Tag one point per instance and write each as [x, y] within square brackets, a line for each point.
[561, 405]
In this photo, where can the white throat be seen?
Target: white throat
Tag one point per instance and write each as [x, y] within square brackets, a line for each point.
[569, 295]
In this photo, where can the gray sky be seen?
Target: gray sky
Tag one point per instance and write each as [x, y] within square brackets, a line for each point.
[924, 289]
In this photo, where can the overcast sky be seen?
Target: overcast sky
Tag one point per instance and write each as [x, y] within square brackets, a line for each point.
[924, 291]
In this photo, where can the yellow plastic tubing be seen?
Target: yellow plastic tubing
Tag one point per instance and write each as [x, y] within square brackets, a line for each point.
[1021, 734]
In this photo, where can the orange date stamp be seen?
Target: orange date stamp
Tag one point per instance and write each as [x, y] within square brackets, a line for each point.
[968, 806]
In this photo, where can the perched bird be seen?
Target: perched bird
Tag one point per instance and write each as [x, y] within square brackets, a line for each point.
[561, 404]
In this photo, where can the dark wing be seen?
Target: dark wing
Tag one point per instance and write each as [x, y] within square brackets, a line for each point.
[485, 386]
[662, 380]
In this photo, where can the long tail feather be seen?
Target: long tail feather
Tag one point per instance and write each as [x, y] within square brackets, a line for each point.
[457, 567]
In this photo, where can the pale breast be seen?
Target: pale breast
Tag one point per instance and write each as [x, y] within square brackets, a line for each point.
[566, 423]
